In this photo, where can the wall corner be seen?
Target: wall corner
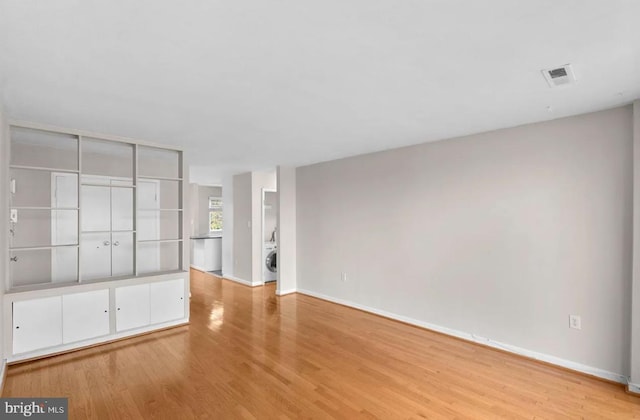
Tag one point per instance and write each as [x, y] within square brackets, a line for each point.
[635, 280]
[287, 233]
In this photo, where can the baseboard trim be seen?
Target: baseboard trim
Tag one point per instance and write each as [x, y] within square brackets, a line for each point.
[633, 389]
[242, 281]
[3, 376]
[542, 357]
[285, 292]
[195, 267]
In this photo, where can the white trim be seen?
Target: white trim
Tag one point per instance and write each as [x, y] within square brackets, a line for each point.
[594, 371]
[195, 267]
[635, 388]
[84, 133]
[100, 340]
[3, 371]
[242, 281]
[285, 292]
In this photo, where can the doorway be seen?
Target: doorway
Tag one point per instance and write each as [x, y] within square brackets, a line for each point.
[269, 235]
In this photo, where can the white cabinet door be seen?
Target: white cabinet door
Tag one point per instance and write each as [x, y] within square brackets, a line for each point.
[95, 256]
[197, 253]
[37, 324]
[208, 254]
[216, 252]
[122, 254]
[132, 307]
[121, 209]
[85, 315]
[96, 208]
[167, 301]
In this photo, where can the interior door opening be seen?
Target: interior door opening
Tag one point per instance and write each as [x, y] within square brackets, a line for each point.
[270, 261]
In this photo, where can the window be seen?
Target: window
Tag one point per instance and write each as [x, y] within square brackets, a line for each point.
[215, 214]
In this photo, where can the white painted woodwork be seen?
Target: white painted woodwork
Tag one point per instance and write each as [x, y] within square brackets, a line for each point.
[109, 253]
[64, 264]
[64, 227]
[197, 253]
[213, 254]
[132, 307]
[121, 253]
[148, 225]
[85, 315]
[95, 255]
[167, 300]
[121, 209]
[206, 254]
[61, 319]
[37, 323]
[96, 208]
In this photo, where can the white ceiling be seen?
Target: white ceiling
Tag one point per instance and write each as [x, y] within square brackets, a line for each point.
[252, 84]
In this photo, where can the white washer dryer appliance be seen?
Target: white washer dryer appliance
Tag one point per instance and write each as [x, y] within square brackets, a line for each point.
[271, 261]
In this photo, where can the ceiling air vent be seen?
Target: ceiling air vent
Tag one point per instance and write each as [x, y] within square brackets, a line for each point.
[560, 76]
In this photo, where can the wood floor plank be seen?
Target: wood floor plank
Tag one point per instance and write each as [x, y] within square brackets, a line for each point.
[248, 354]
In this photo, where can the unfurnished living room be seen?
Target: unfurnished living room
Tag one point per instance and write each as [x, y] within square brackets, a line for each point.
[320, 209]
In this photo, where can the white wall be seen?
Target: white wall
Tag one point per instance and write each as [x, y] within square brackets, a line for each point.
[227, 226]
[270, 215]
[501, 234]
[635, 296]
[287, 265]
[4, 217]
[242, 231]
[194, 213]
[203, 192]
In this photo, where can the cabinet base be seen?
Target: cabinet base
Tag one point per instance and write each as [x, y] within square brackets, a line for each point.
[56, 351]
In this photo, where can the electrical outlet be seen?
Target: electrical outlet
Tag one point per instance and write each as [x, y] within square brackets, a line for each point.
[14, 216]
[575, 322]
[344, 276]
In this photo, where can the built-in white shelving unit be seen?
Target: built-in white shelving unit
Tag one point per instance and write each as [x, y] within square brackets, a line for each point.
[96, 239]
[89, 208]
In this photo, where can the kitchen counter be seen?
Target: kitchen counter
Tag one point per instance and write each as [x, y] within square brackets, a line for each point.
[206, 255]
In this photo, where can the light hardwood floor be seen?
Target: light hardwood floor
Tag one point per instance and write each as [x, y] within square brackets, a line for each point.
[249, 354]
